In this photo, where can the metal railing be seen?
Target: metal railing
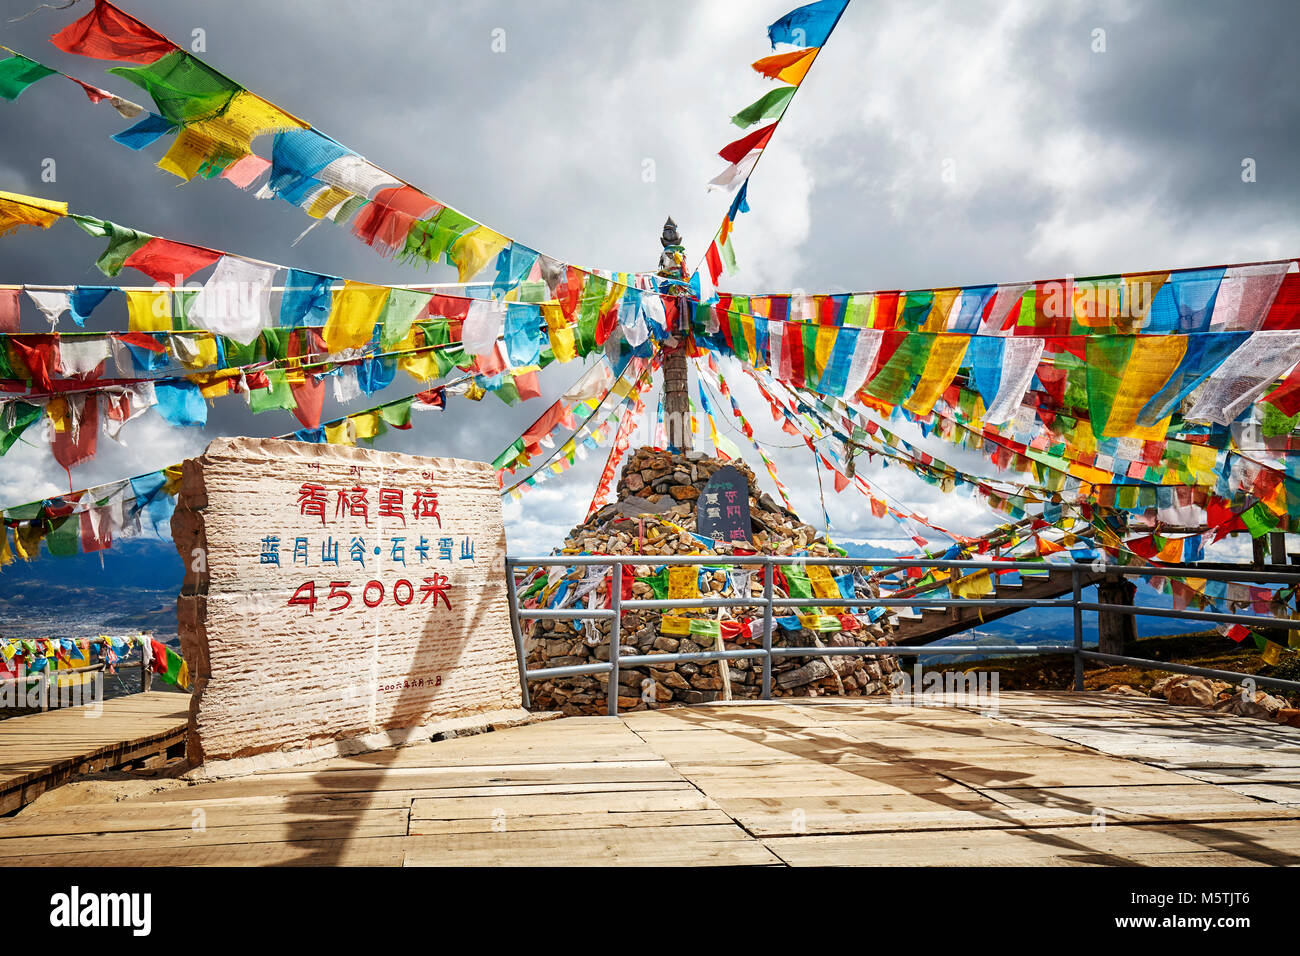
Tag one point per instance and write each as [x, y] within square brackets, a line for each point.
[769, 604]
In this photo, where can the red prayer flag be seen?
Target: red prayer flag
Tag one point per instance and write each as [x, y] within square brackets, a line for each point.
[90, 541]
[9, 310]
[39, 353]
[141, 340]
[1285, 310]
[436, 397]
[528, 386]
[735, 152]
[69, 451]
[96, 95]
[163, 260]
[385, 221]
[714, 260]
[309, 394]
[107, 33]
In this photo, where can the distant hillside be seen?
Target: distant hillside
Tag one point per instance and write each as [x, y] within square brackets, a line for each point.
[134, 589]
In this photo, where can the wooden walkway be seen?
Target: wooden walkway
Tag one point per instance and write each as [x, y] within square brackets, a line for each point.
[40, 751]
[1050, 779]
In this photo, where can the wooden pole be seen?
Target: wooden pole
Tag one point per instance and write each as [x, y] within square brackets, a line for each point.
[676, 380]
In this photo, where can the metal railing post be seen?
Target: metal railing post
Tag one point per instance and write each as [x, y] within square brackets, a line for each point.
[512, 596]
[768, 623]
[615, 633]
[1078, 630]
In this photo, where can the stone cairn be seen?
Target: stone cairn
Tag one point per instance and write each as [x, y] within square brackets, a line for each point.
[657, 487]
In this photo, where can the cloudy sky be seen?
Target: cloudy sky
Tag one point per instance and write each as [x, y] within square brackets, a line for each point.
[1078, 137]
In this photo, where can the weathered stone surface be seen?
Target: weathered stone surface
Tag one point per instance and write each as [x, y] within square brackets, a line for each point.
[271, 675]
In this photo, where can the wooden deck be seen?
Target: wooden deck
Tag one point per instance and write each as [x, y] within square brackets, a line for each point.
[40, 751]
[1052, 779]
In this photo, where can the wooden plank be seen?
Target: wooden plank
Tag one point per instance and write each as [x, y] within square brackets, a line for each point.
[488, 805]
[573, 821]
[38, 751]
[1232, 843]
[644, 846]
[372, 823]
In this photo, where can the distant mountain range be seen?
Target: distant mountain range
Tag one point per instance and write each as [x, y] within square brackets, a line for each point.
[1048, 625]
[133, 589]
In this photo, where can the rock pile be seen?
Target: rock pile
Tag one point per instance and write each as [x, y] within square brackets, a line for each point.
[654, 515]
[1188, 691]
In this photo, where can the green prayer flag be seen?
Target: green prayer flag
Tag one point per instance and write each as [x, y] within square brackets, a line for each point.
[398, 414]
[121, 242]
[429, 239]
[507, 391]
[894, 380]
[277, 395]
[184, 88]
[1259, 520]
[234, 354]
[1107, 358]
[768, 106]
[510, 454]
[797, 584]
[25, 416]
[18, 72]
[401, 309]
[916, 308]
[176, 672]
[64, 541]
[658, 584]
[706, 627]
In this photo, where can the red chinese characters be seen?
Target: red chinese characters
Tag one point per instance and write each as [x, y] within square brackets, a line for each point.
[435, 588]
[311, 501]
[426, 505]
[390, 504]
[352, 501]
[355, 502]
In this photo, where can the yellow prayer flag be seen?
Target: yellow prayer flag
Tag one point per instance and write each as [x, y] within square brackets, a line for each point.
[559, 332]
[352, 319]
[57, 410]
[149, 311]
[474, 250]
[674, 624]
[365, 424]
[683, 583]
[1152, 361]
[937, 320]
[422, 365]
[340, 434]
[972, 586]
[326, 201]
[940, 368]
[824, 586]
[17, 210]
[27, 539]
[195, 351]
[226, 137]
